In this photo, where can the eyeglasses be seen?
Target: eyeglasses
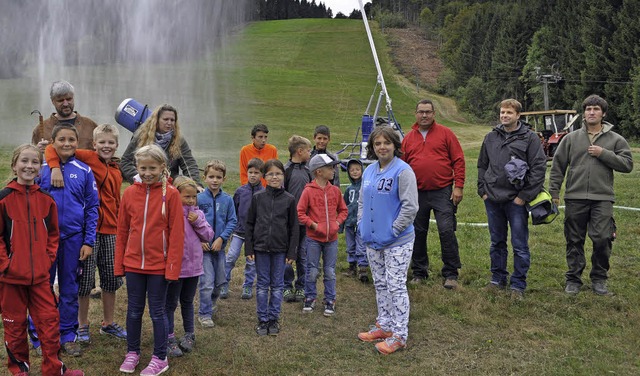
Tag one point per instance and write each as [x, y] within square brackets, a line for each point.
[272, 175]
[422, 112]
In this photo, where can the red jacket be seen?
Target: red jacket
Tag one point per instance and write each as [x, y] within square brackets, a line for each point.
[29, 228]
[437, 160]
[109, 182]
[146, 242]
[324, 206]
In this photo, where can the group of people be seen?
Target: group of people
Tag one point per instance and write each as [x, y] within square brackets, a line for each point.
[168, 232]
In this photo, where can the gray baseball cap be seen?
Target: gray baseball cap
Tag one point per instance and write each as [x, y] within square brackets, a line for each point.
[321, 160]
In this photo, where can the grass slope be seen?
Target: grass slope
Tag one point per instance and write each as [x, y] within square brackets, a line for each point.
[293, 75]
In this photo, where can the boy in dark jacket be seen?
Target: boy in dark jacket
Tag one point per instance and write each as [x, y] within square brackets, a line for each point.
[356, 251]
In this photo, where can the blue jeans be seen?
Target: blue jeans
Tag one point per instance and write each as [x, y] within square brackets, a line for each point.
[356, 251]
[301, 265]
[183, 290]
[269, 270]
[501, 215]
[235, 248]
[211, 282]
[329, 252]
[154, 288]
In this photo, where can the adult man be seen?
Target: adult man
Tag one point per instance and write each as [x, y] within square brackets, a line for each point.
[510, 142]
[590, 154]
[434, 153]
[61, 94]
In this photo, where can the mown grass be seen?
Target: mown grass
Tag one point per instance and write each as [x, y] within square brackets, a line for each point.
[295, 74]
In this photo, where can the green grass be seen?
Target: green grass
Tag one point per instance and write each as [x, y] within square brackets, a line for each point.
[293, 75]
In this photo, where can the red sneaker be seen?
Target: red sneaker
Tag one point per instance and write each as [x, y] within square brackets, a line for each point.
[375, 333]
[390, 345]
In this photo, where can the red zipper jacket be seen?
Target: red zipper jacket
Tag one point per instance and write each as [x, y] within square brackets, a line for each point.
[30, 235]
[146, 242]
[324, 206]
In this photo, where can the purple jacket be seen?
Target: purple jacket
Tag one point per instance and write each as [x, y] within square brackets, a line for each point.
[194, 234]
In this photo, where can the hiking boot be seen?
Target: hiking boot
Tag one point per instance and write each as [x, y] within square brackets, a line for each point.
[130, 362]
[329, 309]
[495, 287]
[417, 280]
[351, 272]
[262, 328]
[72, 348]
[309, 306]
[299, 295]
[114, 330]
[156, 366]
[289, 296]
[375, 333]
[390, 345]
[206, 322]
[451, 284]
[517, 294]
[247, 293]
[187, 342]
[273, 328]
[72, 372]
[600, 288]
[572, 288]
[173, 350]
[363, 274]
[84, 338]
[224, 292]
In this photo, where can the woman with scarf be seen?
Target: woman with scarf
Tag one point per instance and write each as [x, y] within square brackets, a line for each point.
[161, 128]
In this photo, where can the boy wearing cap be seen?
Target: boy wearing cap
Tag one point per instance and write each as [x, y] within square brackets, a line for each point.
[321, 210]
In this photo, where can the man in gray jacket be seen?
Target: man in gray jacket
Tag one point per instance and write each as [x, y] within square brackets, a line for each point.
[589, 156]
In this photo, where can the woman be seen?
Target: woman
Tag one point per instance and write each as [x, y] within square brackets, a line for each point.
[388, 186]
[161, 128]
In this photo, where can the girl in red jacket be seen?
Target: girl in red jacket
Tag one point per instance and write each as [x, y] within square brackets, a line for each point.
[149, 246]
[28, 244]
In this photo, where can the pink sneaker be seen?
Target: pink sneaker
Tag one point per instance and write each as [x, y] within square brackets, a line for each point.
[156, 366]
[131, 360]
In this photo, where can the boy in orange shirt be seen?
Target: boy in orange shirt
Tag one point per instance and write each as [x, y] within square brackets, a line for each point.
[258, 148]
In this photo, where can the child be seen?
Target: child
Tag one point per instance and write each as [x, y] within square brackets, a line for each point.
[219, 211]
[258, 148]
[272, 232]
[322, 137]
[196, 230]
[322, 210]
[109, 180]
[77, 231]
[241, 201]
[149, 252]
[25, 260]
[356, 251]
[296, 177]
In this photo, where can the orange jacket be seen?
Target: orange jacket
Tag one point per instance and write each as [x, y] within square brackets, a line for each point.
[248, 152]
[324, 206]
[146, 242]
[109, 182]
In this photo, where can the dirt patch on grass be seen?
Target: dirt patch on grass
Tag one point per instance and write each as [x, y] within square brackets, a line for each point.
[415, 56]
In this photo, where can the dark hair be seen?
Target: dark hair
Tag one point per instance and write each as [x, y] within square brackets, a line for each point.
[272, 163]
[595, 100]
[426, 101]
[61, 126]
[322, 129]
[256, 163]
[388, 133]
[259, 128]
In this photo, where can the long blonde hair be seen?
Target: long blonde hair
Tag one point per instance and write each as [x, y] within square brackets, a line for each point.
[147, 132]
[155, 153]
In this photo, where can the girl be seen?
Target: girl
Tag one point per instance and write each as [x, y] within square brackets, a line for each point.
[196, 230]
[271, 236]
[26, 214]
[387, 206]
[149, 253]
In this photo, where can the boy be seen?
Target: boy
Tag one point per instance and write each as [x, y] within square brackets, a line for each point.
[109, 180]
[356, 251]
[242, 201]
[322, 137]
[322, 210]
[221, 215]
[296, 177]
[258, 148]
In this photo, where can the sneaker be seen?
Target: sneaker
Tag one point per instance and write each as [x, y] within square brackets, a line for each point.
[390, 345]
[363, 274]
[329, 309]
[247, 293]
[309, 306]
[289, 296]
[299, 295]
[84, 338]
[173, 350]
[72, 348]
[71, 372]
[572, 288]
[206, 322]
[114, 330]
[131, 360]
[451, 284]
[274, 328]
[156, 366]
[262, 328]
[224, 292]
[375, 333]
[600, 288]
[517, 294]
[187, 342]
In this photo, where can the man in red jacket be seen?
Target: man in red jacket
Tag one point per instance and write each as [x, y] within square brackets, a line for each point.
[434, 153]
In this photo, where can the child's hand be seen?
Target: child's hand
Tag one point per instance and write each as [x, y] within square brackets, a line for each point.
[251, 258]
[85, 252]
[56, 178]
[217, 245]
[192, 217]
[290, 261]
[205, 247]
